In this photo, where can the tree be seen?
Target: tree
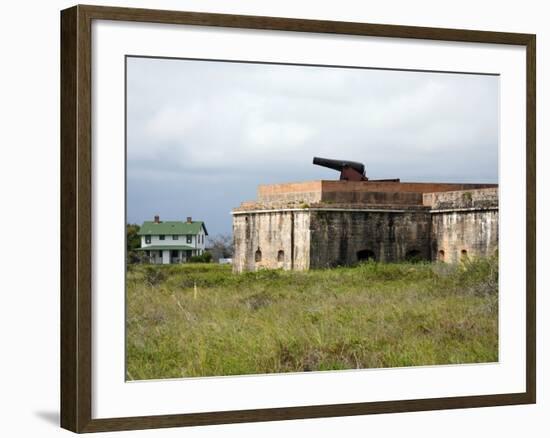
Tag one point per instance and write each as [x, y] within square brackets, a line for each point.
[221, 246]
[133, 241]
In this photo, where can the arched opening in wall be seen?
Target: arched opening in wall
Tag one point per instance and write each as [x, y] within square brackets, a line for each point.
[258, 255]
[365, 255]
[413, 256]
[463, 255]
[281, 256]
[441, 255]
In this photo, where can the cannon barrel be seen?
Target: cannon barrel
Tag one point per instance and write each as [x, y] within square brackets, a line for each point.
[339, 164]
[349, 170]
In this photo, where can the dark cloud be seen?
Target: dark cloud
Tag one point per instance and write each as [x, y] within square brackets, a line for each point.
[203, 135]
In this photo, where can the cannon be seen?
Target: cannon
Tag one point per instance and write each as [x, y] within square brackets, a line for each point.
[349, 170]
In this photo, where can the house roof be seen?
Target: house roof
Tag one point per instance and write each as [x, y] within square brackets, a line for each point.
[161, 247]
[171, 227]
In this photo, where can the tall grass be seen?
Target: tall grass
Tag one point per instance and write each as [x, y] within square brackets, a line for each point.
[202, 320]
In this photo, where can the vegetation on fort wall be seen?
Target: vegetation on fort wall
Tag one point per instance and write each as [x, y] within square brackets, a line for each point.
[202, 320]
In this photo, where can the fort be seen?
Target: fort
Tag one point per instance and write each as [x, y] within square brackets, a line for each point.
[325, 223]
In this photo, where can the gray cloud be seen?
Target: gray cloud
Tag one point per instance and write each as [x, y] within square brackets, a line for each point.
[202, 135]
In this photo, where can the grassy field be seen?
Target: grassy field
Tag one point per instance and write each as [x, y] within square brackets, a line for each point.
[202, 320]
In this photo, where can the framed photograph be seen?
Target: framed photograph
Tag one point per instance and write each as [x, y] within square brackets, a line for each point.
[270, 218]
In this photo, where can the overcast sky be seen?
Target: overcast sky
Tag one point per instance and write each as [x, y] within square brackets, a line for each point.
[202, 135]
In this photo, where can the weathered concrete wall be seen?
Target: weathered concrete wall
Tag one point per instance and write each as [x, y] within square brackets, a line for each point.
[457, 234]
[310, 238]
[303, 192]
[399, 187]
[338, 237]
[328, 199]
[464, 223]
[342, 228]
[275, 239]
[374, 198]
[462, 199]
[355, 191]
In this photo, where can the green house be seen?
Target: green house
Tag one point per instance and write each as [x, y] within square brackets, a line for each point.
[166, 242]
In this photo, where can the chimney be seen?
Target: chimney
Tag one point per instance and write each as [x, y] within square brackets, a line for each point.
[157, 219]
[189, 219]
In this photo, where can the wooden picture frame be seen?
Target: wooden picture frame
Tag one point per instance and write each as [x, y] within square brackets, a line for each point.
[76, 218]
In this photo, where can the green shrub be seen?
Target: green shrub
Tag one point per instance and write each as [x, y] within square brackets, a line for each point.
[133, 257]
[205, 257]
